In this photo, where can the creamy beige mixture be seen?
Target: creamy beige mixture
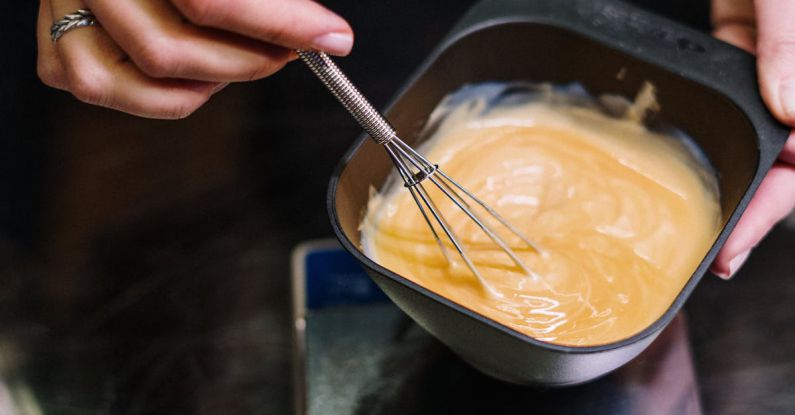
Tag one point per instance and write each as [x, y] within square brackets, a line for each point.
[623, 216]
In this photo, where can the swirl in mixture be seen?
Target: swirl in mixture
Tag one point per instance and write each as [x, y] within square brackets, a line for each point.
[623, 215]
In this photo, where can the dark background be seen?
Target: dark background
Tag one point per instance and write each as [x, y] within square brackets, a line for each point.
[144, 264]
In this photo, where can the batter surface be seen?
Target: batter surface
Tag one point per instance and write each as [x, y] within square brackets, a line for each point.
[623, 217]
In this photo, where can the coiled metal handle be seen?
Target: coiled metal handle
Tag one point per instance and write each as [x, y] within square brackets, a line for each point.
[335, 80]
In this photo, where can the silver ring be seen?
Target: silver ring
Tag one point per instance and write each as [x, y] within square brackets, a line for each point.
[80, 18]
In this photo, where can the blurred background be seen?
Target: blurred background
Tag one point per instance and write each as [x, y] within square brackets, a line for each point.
[144, 265]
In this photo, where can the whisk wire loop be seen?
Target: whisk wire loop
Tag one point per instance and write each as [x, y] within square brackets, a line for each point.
[406, 176]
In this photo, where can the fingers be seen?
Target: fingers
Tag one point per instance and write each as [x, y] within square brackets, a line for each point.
[776, 56]
[787, 154]
[291, 23]
[733, 21]
[738, 35]
[48, 65]
[98, 72]
[736, 22]
[163, 45]
[774, 199]
[147, 59]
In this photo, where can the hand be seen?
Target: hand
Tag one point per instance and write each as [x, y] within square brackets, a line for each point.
[165, 58]
[768, 31]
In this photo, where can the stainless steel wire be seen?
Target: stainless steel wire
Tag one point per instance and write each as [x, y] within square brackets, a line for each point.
[416, 171]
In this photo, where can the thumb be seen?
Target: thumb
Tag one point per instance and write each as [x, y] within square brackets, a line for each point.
[776, 56]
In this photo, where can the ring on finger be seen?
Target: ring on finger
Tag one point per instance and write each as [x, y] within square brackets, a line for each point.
[80, 18]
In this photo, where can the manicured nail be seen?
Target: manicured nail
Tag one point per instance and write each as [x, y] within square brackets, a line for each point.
[334, 43]
[787, 96]
[735, 264]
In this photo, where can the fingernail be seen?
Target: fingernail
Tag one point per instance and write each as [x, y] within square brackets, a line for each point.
[735, 264]
[334, 43]
[219, 87]
[787, 96]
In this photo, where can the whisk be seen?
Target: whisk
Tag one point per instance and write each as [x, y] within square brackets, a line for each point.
[415, 170]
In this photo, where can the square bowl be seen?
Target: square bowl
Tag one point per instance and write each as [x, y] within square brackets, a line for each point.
[705, 87]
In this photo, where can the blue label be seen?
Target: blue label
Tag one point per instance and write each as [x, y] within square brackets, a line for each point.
[334, 277]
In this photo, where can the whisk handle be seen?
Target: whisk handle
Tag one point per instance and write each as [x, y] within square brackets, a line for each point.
[348, 95]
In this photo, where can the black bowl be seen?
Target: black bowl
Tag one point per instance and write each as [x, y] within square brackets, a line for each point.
[705, 87]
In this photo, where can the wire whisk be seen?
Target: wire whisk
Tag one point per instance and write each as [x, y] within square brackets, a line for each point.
[416, 170]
